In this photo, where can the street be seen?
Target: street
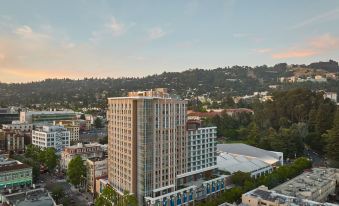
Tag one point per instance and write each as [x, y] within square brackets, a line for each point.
[317, 159]
[73, 196]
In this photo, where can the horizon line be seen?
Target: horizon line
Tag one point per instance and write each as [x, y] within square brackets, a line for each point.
[144, 76]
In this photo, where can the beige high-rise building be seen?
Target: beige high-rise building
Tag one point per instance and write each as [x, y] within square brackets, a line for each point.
[147, 142]
[153, 155]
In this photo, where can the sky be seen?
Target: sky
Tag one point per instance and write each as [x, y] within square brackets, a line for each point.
[75, 39]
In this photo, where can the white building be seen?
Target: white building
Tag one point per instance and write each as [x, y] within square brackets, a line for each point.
[319, 78]
[51, 136]
[202, 149]
[331, 95]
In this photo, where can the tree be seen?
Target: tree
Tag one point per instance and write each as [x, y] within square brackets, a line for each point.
[109, 197]
[239, 178]
[332, 149]
[267, 139]
[129, 199]
[58, 193]
[289, 141]
[50, 158]
[104, 140]
[325, 117]
[32, 151]
[312, 120]
[98, 123]
[83, 117]
[76, 170]
[253, 135]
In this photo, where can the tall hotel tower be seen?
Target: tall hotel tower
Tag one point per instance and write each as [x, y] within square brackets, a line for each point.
[149, 147]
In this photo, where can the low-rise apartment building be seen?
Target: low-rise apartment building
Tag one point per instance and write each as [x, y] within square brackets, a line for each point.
[73, 126]
[316, 184]
[14, 174]
[3, 144]
[30, 197]
[17, 125]
[96, 169]
[85, 151]
[13, 140]
[262, 196]
[85, 125]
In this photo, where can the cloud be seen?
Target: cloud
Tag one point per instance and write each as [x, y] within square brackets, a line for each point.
[68, 45]
[156, 33]
[28, 54]
[294, 54]
[26, 32]
[314, 46]
[34, 53]
[116, 28]
[262, 50]
[326, 16]
[325, 42]
[113, 27]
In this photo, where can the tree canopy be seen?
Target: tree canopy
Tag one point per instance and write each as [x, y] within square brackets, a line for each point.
[332, 148]
[76, 171]
[109, 197]
[45, 156]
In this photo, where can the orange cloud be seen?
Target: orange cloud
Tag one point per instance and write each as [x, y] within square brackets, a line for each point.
[294, 54]
[326, 42]
[314, 46]
[22, 74]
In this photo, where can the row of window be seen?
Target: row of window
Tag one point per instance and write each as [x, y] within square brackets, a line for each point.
[13, 176]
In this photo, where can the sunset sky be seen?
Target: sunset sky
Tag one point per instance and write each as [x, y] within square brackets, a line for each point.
[101, 38]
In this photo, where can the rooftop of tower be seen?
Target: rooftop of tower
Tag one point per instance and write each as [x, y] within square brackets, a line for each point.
[158, 92]
[151, 94]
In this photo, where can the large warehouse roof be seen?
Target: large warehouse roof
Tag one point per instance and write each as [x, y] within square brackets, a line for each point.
[234, 163]
[268, 157]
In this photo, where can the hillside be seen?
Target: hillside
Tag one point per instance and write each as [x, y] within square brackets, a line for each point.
[217, 83]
